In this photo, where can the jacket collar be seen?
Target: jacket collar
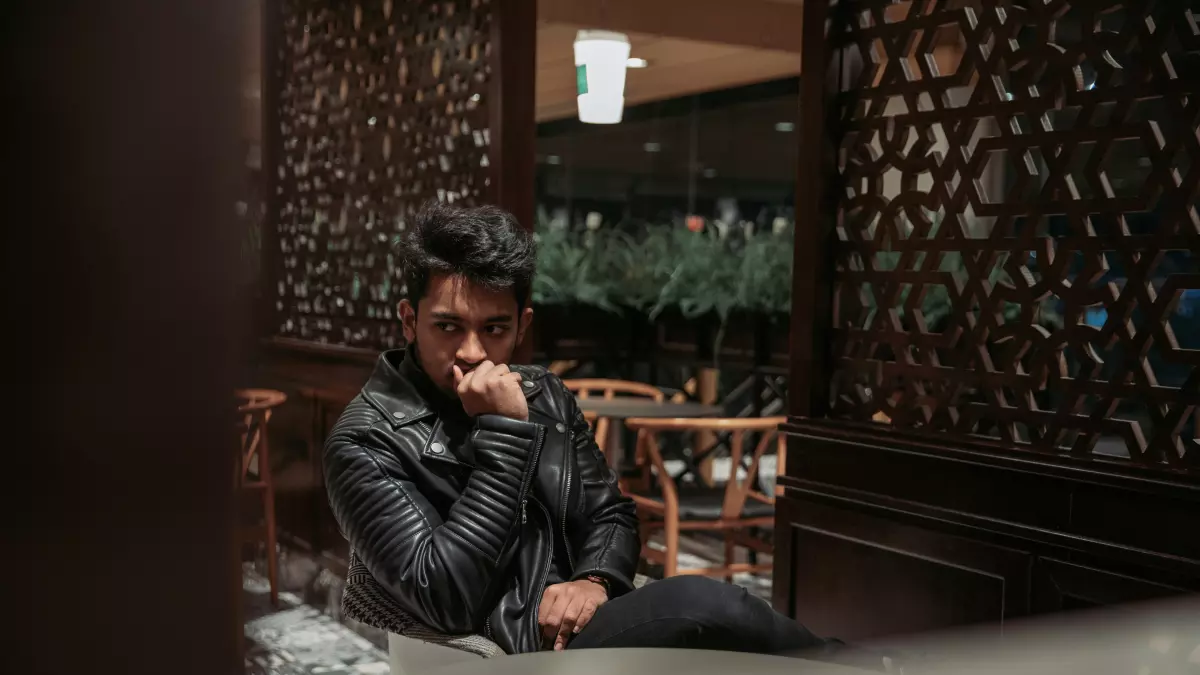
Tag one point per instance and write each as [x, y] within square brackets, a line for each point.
[395, 389]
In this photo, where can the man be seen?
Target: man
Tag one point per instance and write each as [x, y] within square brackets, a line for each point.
[473, 490]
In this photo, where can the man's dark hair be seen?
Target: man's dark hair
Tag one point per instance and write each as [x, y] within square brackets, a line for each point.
[483, 244]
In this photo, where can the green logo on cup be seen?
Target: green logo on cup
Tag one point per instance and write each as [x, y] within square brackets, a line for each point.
[581, 79]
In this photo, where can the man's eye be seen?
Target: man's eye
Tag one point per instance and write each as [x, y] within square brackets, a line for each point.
[445, 327]
[496, 330]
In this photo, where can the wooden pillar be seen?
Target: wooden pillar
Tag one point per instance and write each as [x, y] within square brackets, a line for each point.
[808, 392]
[126, 119]
[511, 122]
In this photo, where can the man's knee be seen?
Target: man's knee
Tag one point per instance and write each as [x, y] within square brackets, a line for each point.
[703, 599]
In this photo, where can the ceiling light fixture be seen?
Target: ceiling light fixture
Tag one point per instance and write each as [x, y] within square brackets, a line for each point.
[635, 62]
[600, 63]
[652, 147]
[785, 127]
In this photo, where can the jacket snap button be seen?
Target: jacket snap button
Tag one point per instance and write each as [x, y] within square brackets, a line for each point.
[560, 428]
[436, 448]
[398, 415]
[528, 384]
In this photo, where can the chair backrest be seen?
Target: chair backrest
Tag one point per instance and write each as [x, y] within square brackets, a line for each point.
[253, 413]
[610, 389]
[737, 490]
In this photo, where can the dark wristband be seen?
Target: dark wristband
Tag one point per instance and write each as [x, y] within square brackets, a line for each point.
[598, 580]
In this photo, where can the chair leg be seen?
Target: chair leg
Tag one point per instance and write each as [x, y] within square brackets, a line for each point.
[671, 539]
[730, 555]
[272, 547]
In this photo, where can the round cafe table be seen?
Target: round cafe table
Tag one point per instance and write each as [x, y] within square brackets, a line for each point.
[626, 407]
[643, 662]
[619, 409]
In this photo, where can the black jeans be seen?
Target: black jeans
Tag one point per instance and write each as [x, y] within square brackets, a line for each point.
[694, 613]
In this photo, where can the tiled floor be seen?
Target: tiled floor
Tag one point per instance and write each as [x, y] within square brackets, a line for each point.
[300, 639]
[306, 635]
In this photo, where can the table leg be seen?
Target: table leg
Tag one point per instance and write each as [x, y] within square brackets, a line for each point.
[708, 383]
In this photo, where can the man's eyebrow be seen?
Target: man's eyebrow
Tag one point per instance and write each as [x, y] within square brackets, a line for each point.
[451, 316]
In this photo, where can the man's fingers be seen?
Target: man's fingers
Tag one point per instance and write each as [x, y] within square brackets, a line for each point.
[497, 375]
[548, 598]
[585, 617]
[479, 375]
[555, 615]
[569, 620]
[458, 377]
[464, 385]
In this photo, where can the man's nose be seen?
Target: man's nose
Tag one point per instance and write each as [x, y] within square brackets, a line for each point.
[471, 349]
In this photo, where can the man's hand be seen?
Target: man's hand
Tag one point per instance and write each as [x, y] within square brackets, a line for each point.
[567, 608]
[491, 389]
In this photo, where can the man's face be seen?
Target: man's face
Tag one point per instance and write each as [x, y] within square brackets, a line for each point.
[462, 324]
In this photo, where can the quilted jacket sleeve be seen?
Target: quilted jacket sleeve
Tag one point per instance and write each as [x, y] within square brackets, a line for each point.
[442, 572]
[610, 545]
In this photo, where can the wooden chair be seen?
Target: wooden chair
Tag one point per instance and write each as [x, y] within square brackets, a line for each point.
[731, 509]
[254, 470]
[609, 390]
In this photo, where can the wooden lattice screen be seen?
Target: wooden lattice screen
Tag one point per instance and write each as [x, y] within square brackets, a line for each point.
[1017, 245]
[380, 106]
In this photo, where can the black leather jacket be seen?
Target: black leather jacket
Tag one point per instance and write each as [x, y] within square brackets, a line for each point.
[459, 519]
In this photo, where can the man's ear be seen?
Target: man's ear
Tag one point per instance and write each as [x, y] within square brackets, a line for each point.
[408, 320]
[523, 323]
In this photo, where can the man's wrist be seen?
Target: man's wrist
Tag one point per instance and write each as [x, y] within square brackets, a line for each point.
[599, 581]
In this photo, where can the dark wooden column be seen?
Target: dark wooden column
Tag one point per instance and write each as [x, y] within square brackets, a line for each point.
[514, 128]
[994, 387]
[121, 459]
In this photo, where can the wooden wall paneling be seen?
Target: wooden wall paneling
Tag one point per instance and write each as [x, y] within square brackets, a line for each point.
[913, 579]
[1060, 585]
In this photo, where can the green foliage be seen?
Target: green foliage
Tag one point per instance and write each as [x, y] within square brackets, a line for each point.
[765, 279]
[666, 267]
[574, 271]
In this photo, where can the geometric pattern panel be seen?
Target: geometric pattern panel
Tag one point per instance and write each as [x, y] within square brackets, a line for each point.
[1017, 250]
[382, 107]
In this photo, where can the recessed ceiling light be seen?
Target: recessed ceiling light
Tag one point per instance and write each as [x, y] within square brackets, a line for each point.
[710, 173]
[652, 147]
[554, 159]
[785, 127]
[636, 63]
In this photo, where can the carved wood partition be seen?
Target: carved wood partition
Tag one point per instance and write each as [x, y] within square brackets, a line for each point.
[379, 106]
[372, 107]
[1003, 263]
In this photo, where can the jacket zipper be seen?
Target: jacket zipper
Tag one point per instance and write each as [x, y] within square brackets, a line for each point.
[537, 603]
[566, 502]
[537, 453]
